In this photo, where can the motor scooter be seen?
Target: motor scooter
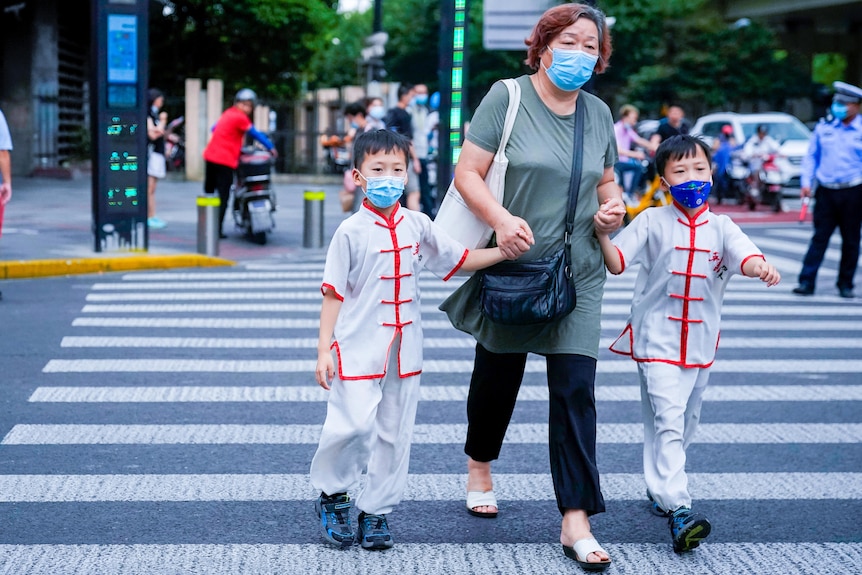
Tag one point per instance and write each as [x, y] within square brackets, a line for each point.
[337, 154]
[738, 175]
[175, 145]
[254, 200]
[771, 183]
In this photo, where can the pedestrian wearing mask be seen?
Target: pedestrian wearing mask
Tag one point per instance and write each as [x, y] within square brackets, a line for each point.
[568, 44]
[834, 162]
[156, 165]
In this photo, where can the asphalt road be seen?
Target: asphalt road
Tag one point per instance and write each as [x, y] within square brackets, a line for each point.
[163, 422]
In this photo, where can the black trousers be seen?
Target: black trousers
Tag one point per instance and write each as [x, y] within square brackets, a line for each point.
[572, 420]
[841, 209]
[219, 178]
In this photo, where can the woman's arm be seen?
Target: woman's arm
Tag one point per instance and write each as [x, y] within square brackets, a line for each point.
[514, 235]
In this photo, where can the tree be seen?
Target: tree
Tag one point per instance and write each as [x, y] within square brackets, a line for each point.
[262, 44]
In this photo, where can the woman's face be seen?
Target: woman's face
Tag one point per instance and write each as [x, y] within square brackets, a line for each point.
[582, 35]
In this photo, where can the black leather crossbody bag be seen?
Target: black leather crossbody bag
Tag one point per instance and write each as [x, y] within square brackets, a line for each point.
[543, 290]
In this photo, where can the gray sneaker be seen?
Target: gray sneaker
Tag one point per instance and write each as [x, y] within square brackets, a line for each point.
[374, 532]
[334, 514]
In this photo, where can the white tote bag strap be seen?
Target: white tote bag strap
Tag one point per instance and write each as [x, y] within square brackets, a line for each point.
[511, 112]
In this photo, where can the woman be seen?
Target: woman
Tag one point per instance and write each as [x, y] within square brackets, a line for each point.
[568, 43]
[156, 166]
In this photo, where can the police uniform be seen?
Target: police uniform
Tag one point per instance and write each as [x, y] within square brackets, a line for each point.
[373, 266]
[673, 330]
[834, 162]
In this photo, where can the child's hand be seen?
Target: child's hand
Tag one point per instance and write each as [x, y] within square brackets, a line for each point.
[325, 370]
[767, 273]
[609, 216]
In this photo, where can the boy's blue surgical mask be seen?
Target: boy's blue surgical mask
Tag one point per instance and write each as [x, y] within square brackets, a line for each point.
[691, 194]
[570, 69]
[839, 110]
[383, 191]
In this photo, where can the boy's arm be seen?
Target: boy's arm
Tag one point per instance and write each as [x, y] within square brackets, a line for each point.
[758, 267]
[482, 258]
[613, 261]
[325, 369]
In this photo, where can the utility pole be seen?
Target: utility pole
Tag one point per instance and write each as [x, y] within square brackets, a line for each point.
[372, 55]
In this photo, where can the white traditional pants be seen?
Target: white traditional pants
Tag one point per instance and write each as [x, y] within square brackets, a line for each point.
[368, 427]
[671, 398]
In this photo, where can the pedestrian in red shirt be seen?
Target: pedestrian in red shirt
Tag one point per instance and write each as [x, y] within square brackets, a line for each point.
[222, 153]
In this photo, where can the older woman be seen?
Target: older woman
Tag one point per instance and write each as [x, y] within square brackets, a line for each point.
[568, 44]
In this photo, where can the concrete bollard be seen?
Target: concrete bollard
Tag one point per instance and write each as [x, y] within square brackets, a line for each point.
[208, 212]
[312, 232]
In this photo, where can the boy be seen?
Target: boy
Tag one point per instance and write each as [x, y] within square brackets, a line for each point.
[687, 256]
[371, 320]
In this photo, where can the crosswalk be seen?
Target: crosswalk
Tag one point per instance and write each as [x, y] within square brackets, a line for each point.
[172, 430]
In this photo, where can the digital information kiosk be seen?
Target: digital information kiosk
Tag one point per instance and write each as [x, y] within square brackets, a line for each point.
[119, 125]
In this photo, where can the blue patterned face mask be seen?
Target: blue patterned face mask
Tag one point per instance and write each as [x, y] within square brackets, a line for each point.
[383, 191]
[692, 194]
[571, 69]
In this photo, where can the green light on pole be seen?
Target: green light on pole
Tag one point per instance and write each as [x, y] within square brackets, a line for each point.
[457, 78]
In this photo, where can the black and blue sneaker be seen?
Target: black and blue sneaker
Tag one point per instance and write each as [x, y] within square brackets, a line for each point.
[687, 529]
[374, 532]
[655, 508]
[334, 513]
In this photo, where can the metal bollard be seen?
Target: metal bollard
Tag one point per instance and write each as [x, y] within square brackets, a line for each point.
[208, 212]
[312, 233]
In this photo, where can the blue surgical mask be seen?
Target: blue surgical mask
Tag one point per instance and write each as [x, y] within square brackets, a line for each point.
[383, 191]
[692, 194]
[377, 112]
[421, 99]
[571, 69]
[839, 110]
[354, 125]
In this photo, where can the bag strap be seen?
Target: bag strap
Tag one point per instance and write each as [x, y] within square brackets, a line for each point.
[511, 111]
[577, 168]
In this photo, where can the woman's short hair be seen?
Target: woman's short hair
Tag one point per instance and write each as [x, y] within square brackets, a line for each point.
[627, 109]
[557, 19]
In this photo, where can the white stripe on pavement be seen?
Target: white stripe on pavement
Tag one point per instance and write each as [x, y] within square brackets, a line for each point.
[222, 307]
[431, 282]
[528, 433]
[772, 558]
[455, 342]
[622, 365]
[791, 326]
[211, 394]
[420, 487]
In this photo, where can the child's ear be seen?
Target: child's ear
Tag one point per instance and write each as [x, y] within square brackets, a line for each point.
[357, 180]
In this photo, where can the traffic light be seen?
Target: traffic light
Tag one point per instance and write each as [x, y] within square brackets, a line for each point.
[372, 56]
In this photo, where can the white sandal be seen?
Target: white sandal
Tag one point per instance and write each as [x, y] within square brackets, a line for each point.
[583, 548]
[481, 499]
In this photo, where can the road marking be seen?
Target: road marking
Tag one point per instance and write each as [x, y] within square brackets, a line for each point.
[455, 342]
[227, 285]
[210, 394]
[420, 487]
[771, 558]
[792, 326]
[527, 433]
[621, 365]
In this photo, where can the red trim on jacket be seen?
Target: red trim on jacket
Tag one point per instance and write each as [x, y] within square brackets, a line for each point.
[761, 256]
[331, 288]
[457, 266]
[622, 260]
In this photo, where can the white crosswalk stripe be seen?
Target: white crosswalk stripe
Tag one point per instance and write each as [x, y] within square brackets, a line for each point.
[190, 395]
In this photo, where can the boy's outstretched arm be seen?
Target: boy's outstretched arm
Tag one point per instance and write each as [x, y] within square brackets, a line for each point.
[610, 209]
[613, 261]
[325, 370]
[757, 267]
[482, 258]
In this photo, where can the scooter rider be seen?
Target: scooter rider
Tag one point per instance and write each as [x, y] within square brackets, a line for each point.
[755, 151]
[222, 153]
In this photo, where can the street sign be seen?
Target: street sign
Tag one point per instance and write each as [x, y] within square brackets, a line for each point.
[119, 125]
[507, 23]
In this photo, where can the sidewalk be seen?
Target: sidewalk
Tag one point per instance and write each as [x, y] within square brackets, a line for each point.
[47, 229]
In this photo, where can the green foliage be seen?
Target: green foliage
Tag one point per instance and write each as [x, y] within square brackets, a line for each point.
[828, 68]
[262, 44]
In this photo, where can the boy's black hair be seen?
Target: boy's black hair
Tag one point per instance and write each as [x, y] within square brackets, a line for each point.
[678, 147]
[379, 141]
[403, 89]
[355, 109]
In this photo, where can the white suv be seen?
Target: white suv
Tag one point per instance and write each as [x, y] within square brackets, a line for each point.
[788, 130]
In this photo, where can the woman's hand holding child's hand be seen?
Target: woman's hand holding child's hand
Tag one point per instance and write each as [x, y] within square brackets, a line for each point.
[514, 237]
[609, 217]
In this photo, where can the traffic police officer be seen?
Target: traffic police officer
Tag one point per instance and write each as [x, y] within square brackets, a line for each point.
[834, 160]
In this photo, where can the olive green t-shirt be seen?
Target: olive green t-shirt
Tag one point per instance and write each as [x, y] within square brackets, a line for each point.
[537, 189]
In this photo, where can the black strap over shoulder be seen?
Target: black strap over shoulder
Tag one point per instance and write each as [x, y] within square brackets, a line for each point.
[575, 181]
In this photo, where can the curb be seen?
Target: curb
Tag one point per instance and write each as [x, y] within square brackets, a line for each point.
[44, 268]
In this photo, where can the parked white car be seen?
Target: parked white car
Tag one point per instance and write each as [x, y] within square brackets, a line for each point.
[788, 130]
